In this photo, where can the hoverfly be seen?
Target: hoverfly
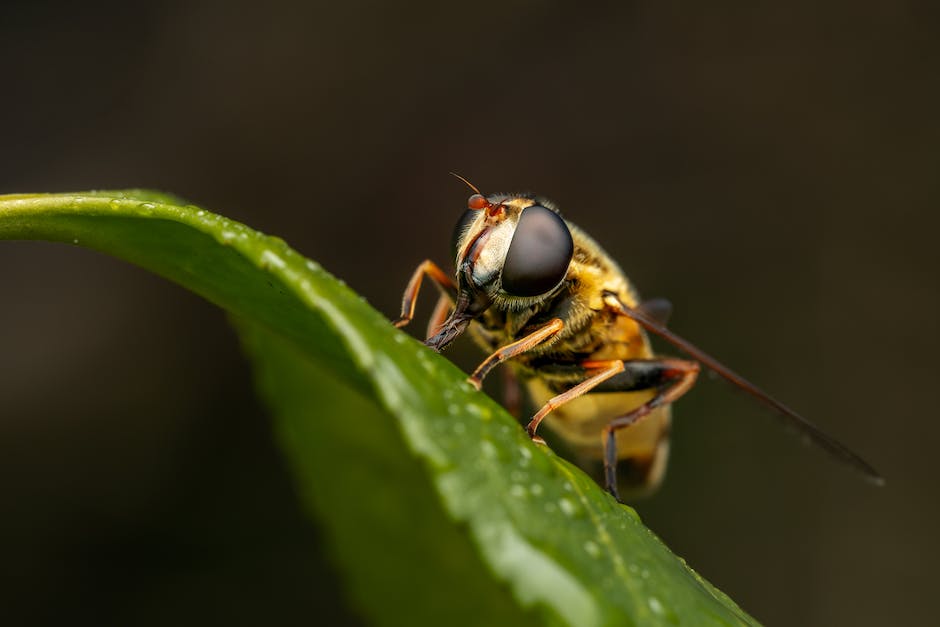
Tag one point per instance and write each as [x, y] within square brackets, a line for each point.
[539, 294]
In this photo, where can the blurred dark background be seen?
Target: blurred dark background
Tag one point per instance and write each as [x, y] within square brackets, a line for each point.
[771, 169]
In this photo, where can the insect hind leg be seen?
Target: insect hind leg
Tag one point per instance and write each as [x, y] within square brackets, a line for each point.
[670, 378]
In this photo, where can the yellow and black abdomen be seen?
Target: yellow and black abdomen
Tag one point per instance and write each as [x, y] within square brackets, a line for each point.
[643, 448]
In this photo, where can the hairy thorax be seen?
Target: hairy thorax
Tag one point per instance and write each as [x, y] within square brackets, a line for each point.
[591, 332]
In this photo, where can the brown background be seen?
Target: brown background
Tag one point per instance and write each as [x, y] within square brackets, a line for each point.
[772, 170]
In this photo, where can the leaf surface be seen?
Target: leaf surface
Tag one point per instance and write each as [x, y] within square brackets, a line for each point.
[437, 505]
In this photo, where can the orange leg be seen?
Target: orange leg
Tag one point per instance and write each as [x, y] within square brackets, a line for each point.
[609, 369]
[511, 350]
[408, 300]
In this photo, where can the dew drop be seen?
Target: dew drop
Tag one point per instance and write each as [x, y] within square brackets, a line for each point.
[591, 548]
[269, 259]
[567, 507]
[114, 203]
[517, 491]
[655, 605]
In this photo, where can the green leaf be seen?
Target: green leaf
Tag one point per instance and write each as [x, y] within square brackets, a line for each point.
[437, 506]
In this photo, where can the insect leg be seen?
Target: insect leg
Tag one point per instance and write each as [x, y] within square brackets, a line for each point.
[410, 296]
[608, 369]
[439, 316]
[511, 350]
[671, 378]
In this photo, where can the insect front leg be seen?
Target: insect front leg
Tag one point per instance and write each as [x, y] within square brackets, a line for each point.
[509, 351]
[671, 378]
[410, 297]
[439, 316]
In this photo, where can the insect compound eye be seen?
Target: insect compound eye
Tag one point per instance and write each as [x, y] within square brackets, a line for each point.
[468, 216]
[539, 253]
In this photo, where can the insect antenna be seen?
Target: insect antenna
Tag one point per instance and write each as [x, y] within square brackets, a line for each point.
[467, 183]
[804, 426]
[479, 202]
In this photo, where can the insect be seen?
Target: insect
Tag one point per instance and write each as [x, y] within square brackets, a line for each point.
[539, 294]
